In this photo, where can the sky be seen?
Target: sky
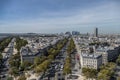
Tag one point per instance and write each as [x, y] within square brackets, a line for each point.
[55, 16]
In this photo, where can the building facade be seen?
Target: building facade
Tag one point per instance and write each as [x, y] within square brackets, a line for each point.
[108, 54]
[91, 60]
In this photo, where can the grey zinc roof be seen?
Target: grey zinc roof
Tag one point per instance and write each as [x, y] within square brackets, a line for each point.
[91, 55]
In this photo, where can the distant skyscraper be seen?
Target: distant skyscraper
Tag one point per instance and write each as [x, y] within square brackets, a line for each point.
[75, 33]
[96, 32]
[68, 33]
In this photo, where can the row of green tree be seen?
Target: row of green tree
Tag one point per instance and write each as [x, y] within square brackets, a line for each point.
[71, 46]
[67, 65]
[89, 73]
[19, 43]
[4, 43]
[105, 73]
[16, 67]
[118, 60]
[43, 66]
[1, 59]
[42, 63]
[15, 60]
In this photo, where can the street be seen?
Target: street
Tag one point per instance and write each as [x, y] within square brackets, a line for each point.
[55, 71]
[7, 55]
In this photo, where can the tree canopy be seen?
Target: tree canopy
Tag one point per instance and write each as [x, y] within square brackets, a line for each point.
[1, 57]
[4, 43]
[20, 42]
[14, 60]
[106, 71]
[118, 60]
[71, 46]
[14, 71]
[67, 66]
[22, 77]
[43, 62]
[89, 73]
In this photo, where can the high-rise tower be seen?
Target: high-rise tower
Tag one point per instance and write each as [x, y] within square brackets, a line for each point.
[96, 32]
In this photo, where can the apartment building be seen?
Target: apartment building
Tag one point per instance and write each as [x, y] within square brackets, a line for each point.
[91, 60]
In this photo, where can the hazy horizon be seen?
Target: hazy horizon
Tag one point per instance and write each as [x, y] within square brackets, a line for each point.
[55, 16]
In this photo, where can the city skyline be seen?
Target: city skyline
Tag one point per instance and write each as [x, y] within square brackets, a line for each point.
[52, 16]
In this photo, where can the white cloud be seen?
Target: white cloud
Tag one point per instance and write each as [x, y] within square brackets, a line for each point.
[105, 14]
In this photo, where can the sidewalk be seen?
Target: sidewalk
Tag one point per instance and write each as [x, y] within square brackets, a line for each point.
[76, 71]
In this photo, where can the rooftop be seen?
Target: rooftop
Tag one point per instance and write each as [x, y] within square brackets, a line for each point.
[91, 55]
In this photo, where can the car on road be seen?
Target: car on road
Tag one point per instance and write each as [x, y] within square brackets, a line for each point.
[73, 77]
[2, 76]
